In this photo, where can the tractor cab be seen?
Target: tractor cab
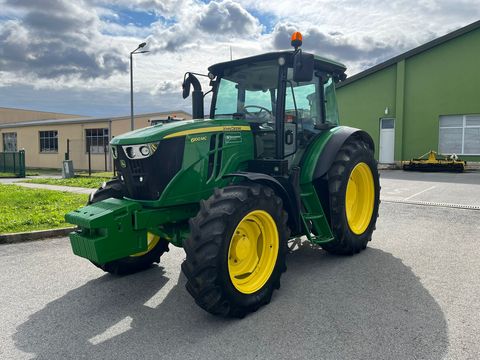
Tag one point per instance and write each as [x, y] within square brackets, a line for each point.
[286, 97]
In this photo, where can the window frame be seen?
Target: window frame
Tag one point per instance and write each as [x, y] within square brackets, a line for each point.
[49, 138]
[463, 127]
[105, 139]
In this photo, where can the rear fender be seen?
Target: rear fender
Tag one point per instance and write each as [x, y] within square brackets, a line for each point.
[321, 152]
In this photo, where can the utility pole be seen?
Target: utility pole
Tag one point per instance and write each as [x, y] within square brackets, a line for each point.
[140, 46]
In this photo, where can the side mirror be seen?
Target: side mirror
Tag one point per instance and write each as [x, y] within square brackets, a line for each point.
[302, 67]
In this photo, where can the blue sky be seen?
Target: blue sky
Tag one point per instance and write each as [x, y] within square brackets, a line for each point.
[72, 57]
[137, 17]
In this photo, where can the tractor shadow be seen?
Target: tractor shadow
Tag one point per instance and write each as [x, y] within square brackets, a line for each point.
[369, 306]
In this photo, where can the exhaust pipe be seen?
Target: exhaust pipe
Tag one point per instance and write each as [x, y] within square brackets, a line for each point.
[197, 95]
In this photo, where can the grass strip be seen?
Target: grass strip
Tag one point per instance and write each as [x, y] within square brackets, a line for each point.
[77, 181]
[23, 209]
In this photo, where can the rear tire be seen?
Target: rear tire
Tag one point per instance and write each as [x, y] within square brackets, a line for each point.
[354, 197]
[236, 250]
[134, 263]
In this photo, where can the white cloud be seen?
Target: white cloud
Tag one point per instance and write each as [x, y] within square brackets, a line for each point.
[199, 25]
[82, 45]
[56, 40]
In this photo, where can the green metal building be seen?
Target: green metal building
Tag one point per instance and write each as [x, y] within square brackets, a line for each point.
[425, 99]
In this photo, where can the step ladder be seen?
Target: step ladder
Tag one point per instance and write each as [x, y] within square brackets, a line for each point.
[313, 217]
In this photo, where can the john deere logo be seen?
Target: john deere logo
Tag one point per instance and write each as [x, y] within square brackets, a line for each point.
[232, 128]
[123, 164]
[233, 138]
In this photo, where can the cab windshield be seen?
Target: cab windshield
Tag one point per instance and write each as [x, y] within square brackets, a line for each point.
[248, 91]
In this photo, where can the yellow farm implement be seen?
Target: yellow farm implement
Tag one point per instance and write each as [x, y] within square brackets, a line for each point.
[433, 163]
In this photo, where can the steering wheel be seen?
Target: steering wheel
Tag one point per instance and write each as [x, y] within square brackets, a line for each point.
[260, 115]
[264, 116]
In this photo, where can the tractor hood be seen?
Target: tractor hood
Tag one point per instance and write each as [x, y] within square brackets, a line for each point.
[179, 128]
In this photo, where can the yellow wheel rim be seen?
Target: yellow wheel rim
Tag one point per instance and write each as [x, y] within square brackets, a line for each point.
[360, 198]
[152, 241]
[253, 251]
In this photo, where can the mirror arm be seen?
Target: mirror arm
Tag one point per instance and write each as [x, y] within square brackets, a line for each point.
[208, 92]
[198, 74]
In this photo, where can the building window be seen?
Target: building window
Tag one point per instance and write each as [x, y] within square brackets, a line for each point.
[459, 134]
[10, 141]
[49, 141]
[96, 140]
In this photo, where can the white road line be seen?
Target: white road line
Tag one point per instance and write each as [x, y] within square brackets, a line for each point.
[420, 192]
[114, 330]
[158, 298]
[429, 203]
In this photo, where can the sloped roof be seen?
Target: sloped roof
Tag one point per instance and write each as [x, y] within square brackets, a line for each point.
[82, 120]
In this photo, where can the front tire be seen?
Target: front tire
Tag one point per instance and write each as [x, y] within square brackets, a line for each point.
[354, 197]
[156, 246]
[236, 250]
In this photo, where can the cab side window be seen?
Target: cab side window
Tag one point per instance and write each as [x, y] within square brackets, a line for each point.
[331, 110]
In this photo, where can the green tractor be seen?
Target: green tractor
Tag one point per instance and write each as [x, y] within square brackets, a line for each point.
[270, 164]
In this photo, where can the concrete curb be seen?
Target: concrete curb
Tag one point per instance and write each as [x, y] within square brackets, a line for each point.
[34, 235]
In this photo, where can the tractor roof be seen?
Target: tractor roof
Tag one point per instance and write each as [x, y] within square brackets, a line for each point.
[320, 63]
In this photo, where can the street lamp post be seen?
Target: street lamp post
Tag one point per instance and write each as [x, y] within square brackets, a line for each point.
[140, 46]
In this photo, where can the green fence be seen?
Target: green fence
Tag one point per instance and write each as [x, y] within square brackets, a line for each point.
[13, 162]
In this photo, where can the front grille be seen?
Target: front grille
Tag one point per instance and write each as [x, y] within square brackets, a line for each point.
[145, 179]
[136, 166]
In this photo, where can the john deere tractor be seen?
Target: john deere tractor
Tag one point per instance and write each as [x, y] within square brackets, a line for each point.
[269, 164]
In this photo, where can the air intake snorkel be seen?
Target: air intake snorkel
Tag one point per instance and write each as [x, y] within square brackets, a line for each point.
[197, 94]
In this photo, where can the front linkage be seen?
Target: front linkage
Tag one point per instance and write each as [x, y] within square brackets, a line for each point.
[116, 228]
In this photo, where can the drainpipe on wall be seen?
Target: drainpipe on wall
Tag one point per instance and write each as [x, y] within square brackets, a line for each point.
[399, 109]
[110, 165]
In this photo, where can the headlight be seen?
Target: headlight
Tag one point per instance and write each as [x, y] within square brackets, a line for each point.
[140, 151]
[144, 150]
[114, 152]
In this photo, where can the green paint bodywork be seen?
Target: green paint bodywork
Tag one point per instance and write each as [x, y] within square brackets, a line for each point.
[193, 183]
[113, 228]
[212, 148]
[313, 153]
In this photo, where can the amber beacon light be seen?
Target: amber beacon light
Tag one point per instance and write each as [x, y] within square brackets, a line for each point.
[296, 40]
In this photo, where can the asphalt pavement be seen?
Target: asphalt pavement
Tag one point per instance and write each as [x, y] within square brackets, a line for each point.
[413, 294]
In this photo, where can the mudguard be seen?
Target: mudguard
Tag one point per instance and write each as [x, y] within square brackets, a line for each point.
[321, 152]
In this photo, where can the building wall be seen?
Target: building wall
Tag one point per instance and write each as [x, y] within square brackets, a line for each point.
[28, 139]
[362, 103]
[444, 80]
